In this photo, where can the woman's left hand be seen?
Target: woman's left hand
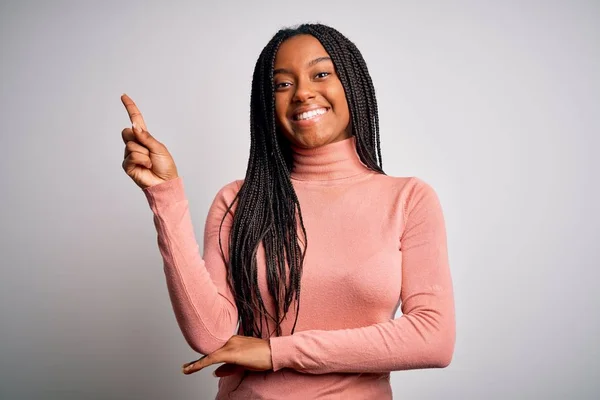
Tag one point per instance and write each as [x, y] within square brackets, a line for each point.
[238, 354]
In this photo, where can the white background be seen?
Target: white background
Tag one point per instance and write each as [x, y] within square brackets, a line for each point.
[494, 103]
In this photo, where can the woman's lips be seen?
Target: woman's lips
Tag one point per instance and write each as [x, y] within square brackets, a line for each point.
[310, 121]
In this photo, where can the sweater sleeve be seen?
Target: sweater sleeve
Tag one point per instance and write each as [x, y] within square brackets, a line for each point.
[201, 298]
[423, 337]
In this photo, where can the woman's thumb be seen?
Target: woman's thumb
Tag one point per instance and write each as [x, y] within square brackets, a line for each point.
[145, 139]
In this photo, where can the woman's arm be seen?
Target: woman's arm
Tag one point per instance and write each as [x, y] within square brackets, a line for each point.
[423, 337]
[202, 301]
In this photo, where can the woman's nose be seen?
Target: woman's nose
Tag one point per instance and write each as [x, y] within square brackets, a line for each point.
[304, 91]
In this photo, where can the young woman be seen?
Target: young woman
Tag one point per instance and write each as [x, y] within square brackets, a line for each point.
[315, 249]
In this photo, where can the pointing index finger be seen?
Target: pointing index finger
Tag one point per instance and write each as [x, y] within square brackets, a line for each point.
[135, 116]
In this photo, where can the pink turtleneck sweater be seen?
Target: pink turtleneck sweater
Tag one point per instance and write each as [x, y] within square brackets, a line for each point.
[375, 243]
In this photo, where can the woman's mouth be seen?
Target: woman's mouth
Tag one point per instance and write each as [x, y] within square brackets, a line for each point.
[309, 117]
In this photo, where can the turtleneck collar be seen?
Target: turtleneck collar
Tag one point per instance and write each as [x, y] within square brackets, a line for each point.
[337, 160]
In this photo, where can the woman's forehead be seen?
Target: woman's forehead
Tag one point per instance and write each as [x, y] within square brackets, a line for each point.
[299, 51]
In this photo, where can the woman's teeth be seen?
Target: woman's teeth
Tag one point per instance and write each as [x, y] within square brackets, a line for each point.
[310, 114]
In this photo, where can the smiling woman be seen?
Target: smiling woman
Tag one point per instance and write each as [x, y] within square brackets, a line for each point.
[310, 102]
[315, 249]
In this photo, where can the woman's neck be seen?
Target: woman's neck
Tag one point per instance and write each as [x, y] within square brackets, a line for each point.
[337, 160]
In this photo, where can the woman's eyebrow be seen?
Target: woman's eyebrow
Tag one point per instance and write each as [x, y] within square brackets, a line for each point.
[318, 60]
[310, 64]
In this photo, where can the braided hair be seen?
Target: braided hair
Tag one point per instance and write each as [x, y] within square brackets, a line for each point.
[267, 202]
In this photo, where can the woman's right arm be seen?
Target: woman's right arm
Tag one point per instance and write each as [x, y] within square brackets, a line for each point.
[201, 297]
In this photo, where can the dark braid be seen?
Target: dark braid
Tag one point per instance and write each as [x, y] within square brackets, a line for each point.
[268, 210]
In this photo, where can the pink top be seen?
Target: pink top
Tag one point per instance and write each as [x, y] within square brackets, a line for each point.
[375, 243]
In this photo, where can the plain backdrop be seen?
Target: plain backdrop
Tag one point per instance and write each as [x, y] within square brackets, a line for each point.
[496, 104]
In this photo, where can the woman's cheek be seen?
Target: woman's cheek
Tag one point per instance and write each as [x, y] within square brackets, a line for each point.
[279, 115]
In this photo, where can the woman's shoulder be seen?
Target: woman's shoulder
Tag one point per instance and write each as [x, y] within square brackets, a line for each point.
[405, 184]
[229, 191]
[224, 200]
[411, 191]
[232, 186]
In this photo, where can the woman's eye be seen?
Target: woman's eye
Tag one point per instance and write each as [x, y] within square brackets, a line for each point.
[281, 85]
[322, 74]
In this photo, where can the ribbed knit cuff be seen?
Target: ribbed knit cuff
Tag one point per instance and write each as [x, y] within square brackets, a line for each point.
[282, 352]
[166, 193]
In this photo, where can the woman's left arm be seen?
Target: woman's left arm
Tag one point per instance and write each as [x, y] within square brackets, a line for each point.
[423, 337]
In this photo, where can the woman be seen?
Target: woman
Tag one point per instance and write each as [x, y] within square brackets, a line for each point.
[313, 252]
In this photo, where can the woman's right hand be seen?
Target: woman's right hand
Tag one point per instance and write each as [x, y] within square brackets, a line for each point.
[147, 161]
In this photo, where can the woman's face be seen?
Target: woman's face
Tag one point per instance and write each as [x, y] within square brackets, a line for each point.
[310, 103]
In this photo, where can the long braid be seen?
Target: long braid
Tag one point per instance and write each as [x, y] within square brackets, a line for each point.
[268, 211]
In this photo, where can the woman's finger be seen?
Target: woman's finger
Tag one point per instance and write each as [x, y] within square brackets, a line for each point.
[131, 147]
[193, 362]
[136, 134]
[135, 116]
[209, 359]
[198, 365]
[128, 135]
[135, 159]
[144, 138]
